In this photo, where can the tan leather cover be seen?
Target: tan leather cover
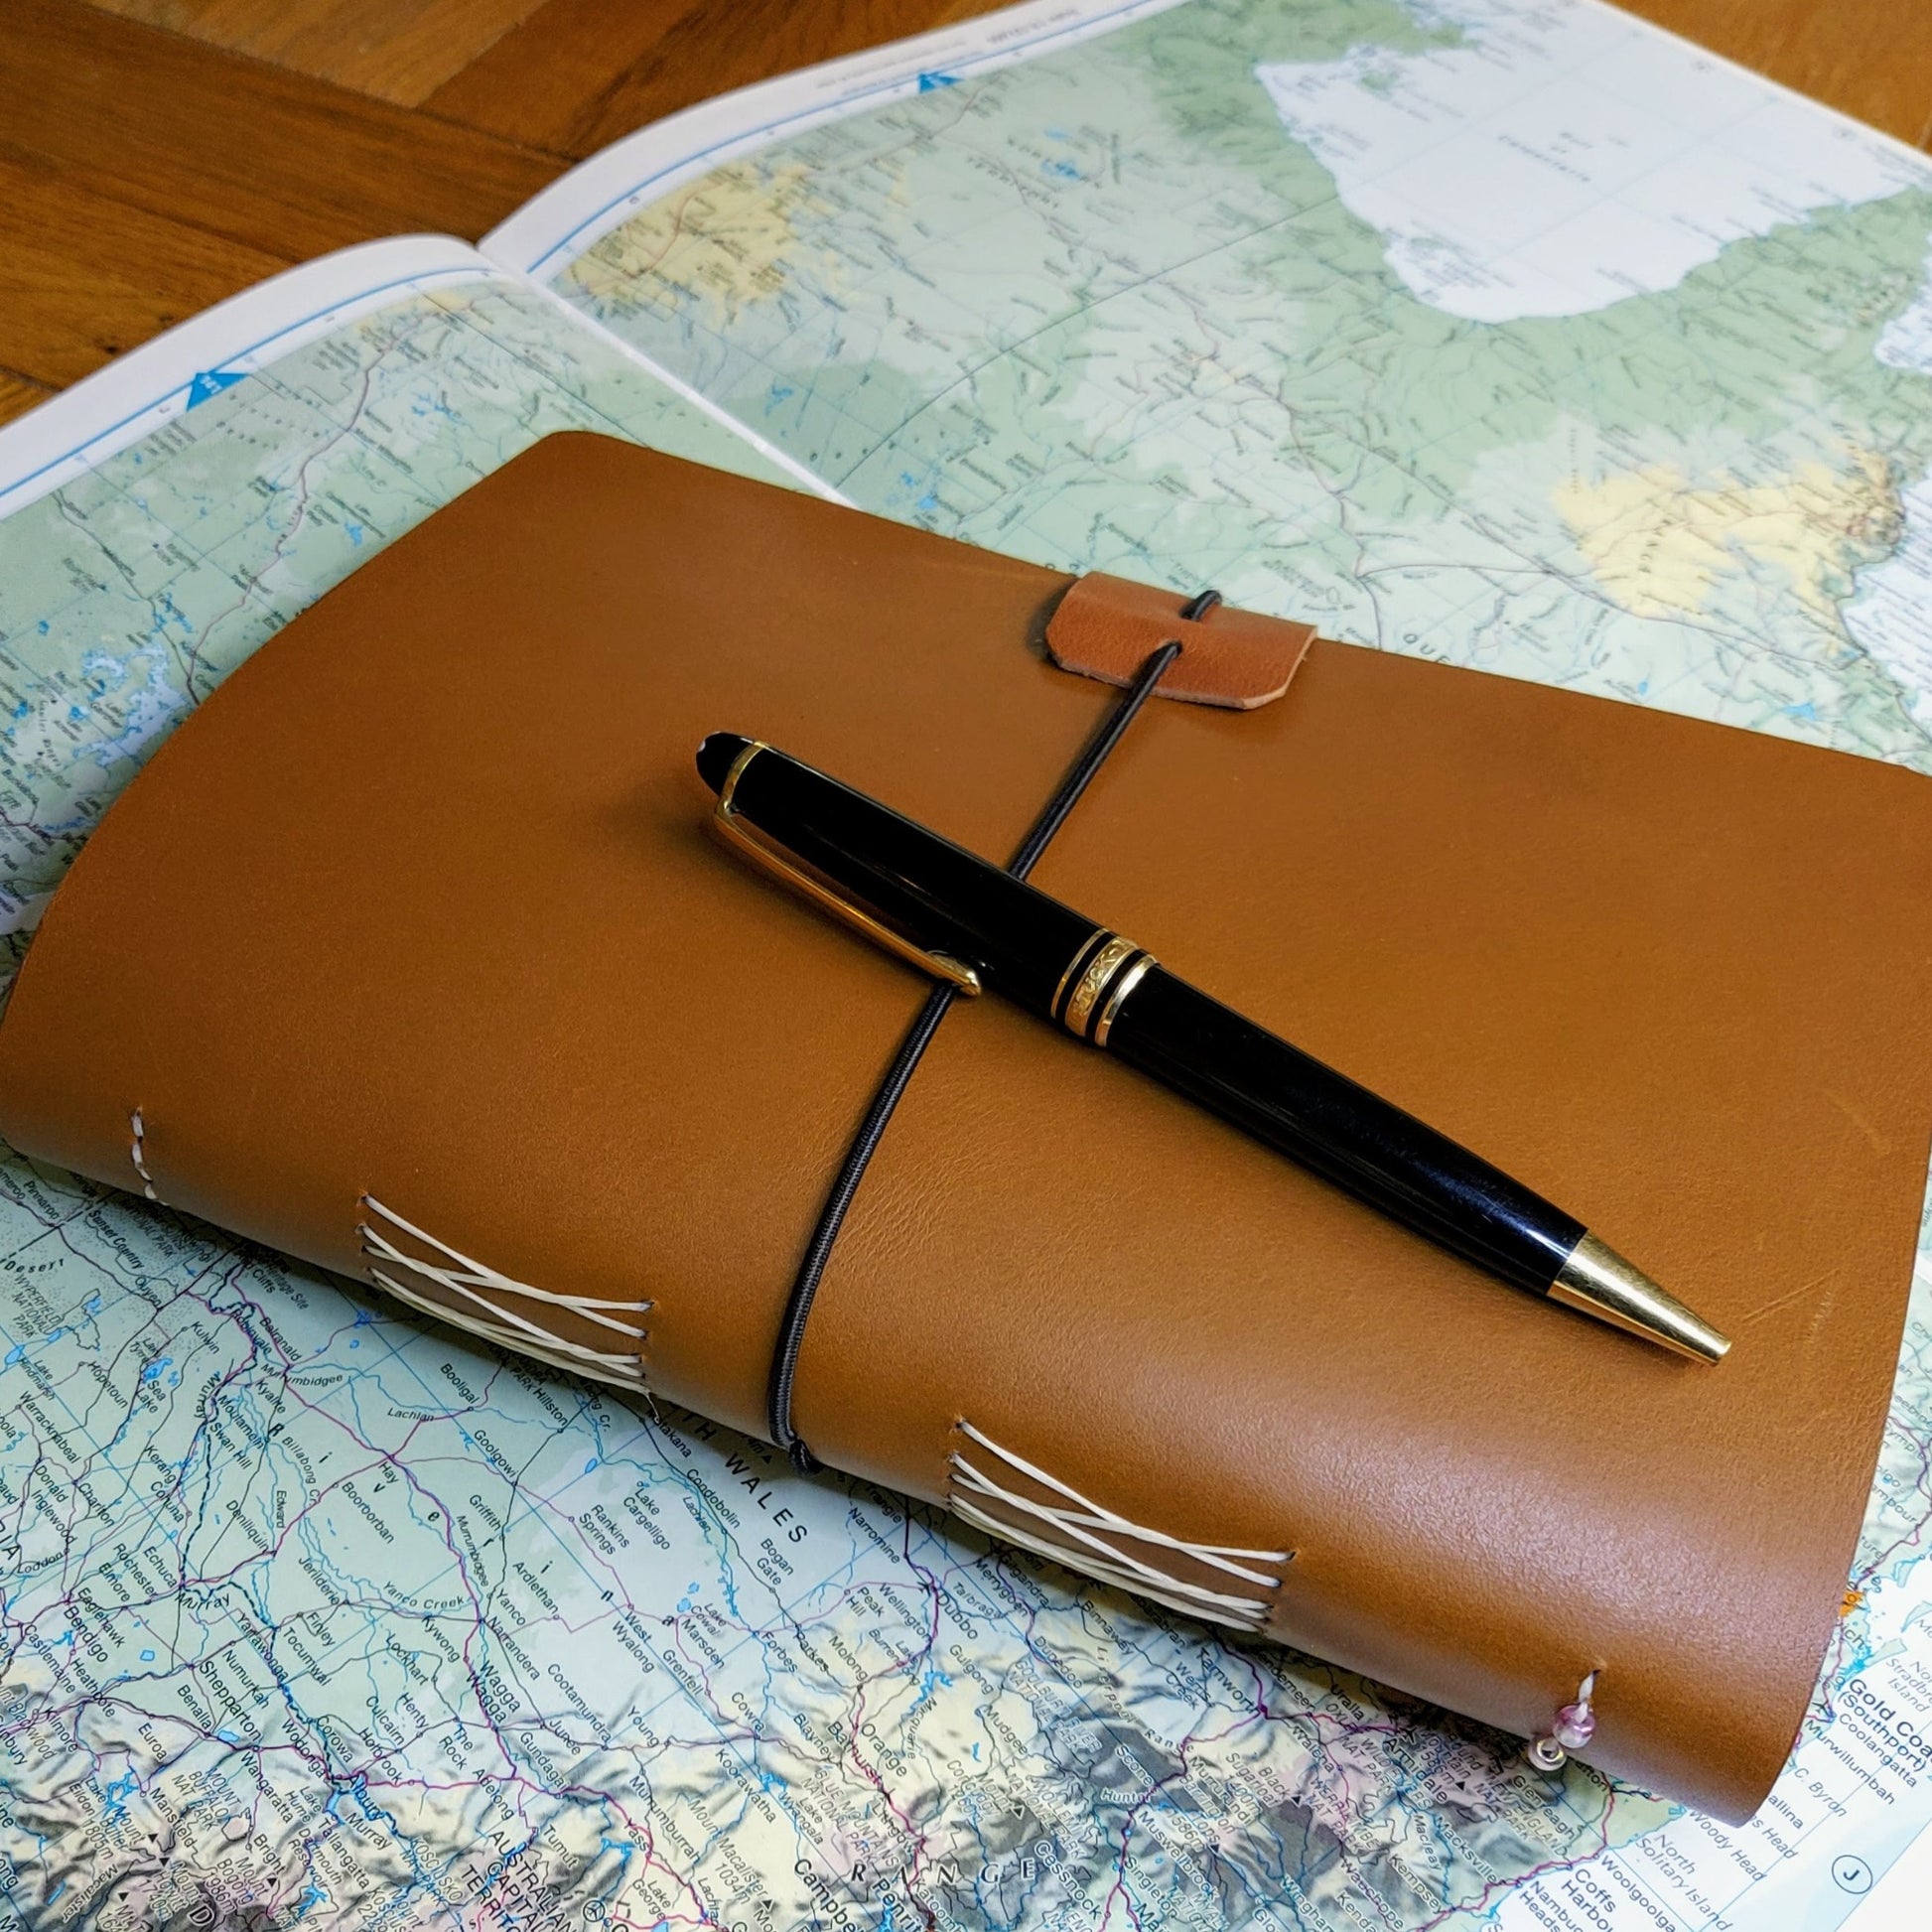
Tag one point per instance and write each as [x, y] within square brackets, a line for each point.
[419, 906]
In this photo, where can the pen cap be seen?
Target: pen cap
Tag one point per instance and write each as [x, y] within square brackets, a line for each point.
[935, 892]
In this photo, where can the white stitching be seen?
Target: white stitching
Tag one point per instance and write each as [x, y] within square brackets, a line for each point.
[1099, 1514]
[1082, 1528]
[138, 1153]
[375, 1242]
[1237, 1612]
[506, 1326]
[626, 1371]
[1102, 1557]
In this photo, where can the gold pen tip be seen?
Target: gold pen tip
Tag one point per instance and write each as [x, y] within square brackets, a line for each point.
[1598, 1281]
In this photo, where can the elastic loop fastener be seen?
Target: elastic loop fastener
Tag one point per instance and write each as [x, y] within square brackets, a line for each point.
[918, 1036]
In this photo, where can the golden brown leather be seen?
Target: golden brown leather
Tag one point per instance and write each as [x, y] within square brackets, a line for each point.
[419, 904]
[1108, 626]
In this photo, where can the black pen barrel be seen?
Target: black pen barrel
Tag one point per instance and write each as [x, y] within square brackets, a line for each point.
[1341, 1131]
[966, 921]
[1028, 948]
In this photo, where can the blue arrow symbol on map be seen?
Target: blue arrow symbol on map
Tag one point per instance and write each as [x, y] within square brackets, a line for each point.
[932, 82]
[210, 382]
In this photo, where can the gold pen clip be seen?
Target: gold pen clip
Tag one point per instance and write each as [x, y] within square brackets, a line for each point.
[749, 842]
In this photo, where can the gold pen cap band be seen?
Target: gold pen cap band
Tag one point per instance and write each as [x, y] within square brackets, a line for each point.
[1097, 937]
[1117, 999]
[1098, 978]
[1091, 981]
[1598, 1281]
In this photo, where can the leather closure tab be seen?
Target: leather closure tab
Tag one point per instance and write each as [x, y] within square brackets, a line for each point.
[1106, 626]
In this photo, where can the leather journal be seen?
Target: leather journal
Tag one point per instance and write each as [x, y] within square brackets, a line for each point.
[408, 954]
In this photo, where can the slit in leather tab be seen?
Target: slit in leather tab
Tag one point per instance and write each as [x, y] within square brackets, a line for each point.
[1105, 626]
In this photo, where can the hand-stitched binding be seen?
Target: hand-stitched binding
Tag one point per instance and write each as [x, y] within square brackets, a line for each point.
[138, 1153]
[465, 1276]
[1098, 1535]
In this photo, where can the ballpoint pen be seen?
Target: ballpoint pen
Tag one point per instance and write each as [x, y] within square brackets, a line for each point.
[963, 920]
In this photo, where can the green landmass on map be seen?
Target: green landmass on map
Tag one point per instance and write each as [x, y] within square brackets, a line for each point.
[1098, 311]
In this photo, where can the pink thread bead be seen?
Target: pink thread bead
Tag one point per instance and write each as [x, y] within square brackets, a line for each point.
[1575, 1726]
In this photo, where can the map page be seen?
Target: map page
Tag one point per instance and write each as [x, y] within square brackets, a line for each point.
[311, 1612]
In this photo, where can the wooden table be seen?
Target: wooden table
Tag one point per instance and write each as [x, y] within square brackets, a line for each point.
[157, 155]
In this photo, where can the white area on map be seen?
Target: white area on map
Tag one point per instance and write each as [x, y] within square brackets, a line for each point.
[1553, 160]
[1905, 341]
[1888, 614]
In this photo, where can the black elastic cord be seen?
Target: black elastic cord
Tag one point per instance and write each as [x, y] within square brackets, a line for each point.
[912, 1049]
[804, 1286]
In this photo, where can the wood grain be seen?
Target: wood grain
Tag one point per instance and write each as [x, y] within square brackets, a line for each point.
[579, 73]
[144, 176]
[18, 394]
[390, 50]
[83, 276]
[279, 163]
[1870, 59]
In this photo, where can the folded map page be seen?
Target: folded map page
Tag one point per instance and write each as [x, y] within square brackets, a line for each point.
[1516, 334]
